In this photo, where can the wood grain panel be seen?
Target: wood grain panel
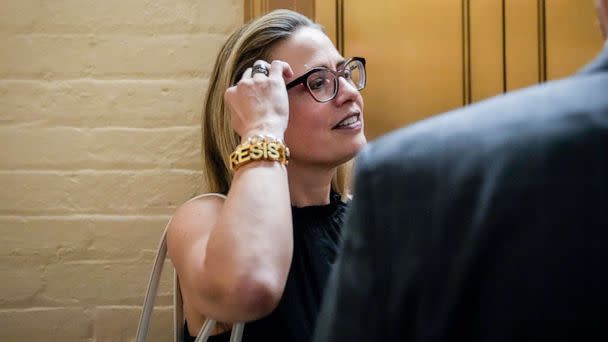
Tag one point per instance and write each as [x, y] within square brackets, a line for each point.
[325, 14]
[521, 43]
[415, 58]
[486, 48]
[573, 36]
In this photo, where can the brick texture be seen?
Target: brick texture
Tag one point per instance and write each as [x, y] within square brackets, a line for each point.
[100, 106]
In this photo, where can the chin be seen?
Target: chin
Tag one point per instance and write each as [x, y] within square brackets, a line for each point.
[354, 148]
[360, 142]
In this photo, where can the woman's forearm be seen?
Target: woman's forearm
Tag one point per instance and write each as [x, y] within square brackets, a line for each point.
[249, 251]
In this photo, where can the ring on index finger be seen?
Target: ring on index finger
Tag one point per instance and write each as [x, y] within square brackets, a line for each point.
[259, 69]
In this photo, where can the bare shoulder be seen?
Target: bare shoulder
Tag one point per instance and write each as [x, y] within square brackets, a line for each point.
[199, 208]
[192, 222]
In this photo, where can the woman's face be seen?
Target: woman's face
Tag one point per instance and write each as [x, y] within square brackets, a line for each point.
[316, 133]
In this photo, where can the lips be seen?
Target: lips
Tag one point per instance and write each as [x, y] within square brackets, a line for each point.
[349, 121]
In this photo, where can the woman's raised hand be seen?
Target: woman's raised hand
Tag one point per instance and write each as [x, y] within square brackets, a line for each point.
[259, 102]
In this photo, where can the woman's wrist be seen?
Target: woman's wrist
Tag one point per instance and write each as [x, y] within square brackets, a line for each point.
[259, 148]
[272, 129]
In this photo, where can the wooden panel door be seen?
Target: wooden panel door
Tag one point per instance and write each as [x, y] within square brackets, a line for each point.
[573, 36]
[414, 58]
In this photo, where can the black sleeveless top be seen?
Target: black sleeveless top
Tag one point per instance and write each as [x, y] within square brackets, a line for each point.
[316, 235]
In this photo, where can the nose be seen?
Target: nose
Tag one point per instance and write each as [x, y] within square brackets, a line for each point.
[346, 92]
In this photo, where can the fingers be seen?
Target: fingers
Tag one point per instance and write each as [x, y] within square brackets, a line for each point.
[259, 101]
[247, 73]
[280, 69]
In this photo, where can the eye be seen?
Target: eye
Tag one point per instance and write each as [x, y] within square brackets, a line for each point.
[317, 82]
[348, 72]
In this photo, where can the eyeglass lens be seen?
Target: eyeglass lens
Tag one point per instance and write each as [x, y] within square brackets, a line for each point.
[323, 84]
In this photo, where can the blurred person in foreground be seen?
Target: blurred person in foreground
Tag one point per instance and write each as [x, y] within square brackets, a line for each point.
[488, 223]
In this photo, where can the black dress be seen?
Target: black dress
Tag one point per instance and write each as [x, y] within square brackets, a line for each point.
[316, 235]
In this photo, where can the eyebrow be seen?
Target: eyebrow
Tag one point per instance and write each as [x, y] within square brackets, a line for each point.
[338, 65]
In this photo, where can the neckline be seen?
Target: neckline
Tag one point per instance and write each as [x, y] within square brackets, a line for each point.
[320, 209]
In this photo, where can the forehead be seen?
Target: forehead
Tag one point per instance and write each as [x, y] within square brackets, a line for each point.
[305, 49]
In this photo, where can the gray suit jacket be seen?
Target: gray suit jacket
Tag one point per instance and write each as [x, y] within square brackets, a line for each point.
[488, 223]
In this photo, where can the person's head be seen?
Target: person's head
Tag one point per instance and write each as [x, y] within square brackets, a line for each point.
[313, 134]
[602, 10]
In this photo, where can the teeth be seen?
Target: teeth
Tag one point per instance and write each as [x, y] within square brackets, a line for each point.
[351, 120]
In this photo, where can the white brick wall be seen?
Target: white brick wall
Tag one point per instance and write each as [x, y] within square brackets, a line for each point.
[100, 104]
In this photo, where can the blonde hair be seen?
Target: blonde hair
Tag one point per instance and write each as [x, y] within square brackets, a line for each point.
[251, 42]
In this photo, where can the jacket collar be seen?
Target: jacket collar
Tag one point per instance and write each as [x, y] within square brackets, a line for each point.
[599, 64]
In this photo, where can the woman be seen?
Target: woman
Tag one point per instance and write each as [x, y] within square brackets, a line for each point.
[262, 254]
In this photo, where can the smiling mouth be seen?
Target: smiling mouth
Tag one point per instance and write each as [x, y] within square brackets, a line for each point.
[349, 122]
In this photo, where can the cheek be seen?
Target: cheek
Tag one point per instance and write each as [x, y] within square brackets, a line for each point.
[307, 122]
[298, 128]
[302, 112]
[295, 123]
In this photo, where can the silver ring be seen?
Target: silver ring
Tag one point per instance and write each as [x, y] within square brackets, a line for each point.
[259, 69]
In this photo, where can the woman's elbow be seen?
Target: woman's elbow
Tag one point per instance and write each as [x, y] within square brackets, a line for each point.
[257, 296]
[248, 298]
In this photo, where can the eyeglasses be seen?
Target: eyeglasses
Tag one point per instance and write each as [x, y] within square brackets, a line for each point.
[323, 83]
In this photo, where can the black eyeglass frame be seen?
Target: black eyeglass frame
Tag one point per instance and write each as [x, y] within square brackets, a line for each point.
[338, 73]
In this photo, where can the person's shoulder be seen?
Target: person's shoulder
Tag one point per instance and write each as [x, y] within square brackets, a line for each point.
[195, 214]
[492, 125]
[200, 204]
